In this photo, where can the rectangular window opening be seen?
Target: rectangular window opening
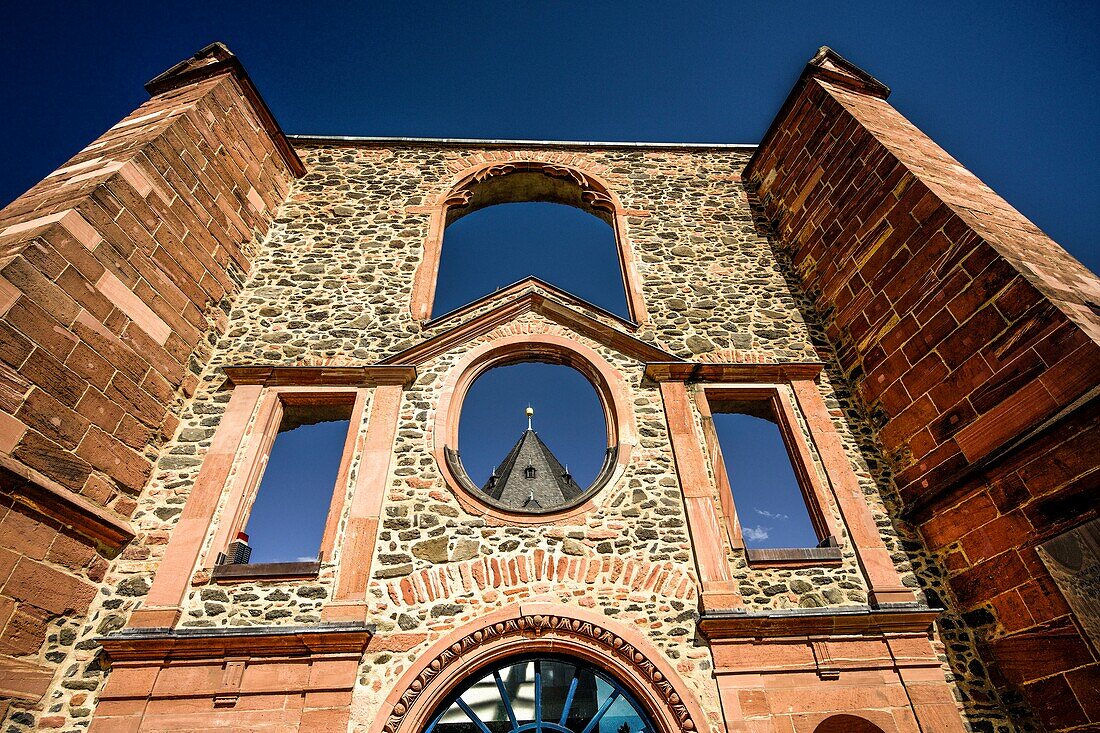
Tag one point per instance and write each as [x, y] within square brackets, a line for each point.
[773, 508]
[291, 505]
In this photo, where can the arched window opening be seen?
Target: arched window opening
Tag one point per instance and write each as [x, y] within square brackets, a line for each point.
[494, 247]
[555, 694]
[532, 436]
[846, 724]
[771, 504]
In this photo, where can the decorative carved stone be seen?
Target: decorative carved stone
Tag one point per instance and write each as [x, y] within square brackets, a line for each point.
[541, 626]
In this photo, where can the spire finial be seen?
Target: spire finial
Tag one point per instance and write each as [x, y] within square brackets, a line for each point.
[530, 413]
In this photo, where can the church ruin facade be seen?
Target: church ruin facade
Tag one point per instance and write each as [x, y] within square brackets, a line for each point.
[195, 280]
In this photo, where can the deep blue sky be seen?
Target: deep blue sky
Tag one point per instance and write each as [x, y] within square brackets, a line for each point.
[769, 502]
[1008, 88]
[568, 418]
[498, 245]
[288, 516]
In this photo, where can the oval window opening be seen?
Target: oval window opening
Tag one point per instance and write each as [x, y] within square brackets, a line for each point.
[532, 437]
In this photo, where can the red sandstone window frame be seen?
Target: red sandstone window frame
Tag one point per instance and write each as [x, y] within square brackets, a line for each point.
[251, 462]
[708, 400]
[596, 196]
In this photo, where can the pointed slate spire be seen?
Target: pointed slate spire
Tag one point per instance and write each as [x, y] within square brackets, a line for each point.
[530, 477]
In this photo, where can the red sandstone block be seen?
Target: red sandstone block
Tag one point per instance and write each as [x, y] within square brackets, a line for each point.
[14, 347]
[56, 380]
[8, 559]
[134, 400]
[1003, 533]
[110, 347]
[26, 535]
[56, 421]
[51, 590]
[989, 578]
[84, 293]
[919, 415]
[987, 285]
[1085, 683]
[95, 406]
[134, 434]
[962, 381]
[88, 365]
[39, 289]
[37, 326]
[1011, 417]
[1043, 599]
[1012, 612]
[931, 335]
[25, 631]
[70, 552]
[109, 455]
[1053, 700]
[326, 719]
[48, 457]
[1074, 375]
[970, 337]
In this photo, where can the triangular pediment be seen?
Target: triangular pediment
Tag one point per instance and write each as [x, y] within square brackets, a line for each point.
[530, 295]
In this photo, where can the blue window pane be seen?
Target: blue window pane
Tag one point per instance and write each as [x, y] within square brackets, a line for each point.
[770, 504]
[498, 245]
[288, 516]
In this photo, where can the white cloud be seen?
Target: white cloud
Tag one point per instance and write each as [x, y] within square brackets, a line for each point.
[756, 534]
[304, 558]
[771, 515]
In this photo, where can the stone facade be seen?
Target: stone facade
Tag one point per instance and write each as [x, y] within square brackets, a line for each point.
[324, 263]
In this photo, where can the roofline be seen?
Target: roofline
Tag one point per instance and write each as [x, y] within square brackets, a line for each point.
[491, 142]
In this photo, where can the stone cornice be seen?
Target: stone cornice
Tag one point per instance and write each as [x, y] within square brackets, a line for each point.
[316, 376]
[658, 371]
[720, 625]
[51, 499]
[135, 645]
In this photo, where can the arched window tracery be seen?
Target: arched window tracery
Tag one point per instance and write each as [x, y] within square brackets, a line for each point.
[543, 693]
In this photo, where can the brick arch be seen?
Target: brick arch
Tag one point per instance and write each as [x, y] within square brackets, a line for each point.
[617, 649]
[589, 191]
[602, 576]
[550, 348]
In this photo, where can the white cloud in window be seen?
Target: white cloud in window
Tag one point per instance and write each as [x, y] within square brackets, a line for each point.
[772, 515]
[756, 534]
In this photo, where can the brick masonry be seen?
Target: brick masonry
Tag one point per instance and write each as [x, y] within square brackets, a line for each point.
[212, 245]
[114, 273]
[972, 342]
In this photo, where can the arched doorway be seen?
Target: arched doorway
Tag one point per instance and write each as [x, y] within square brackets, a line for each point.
[535, 693]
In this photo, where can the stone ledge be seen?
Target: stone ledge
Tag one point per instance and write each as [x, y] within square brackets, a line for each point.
[265, 571]
[51, 499]
[659, 371]
[205, 643]
[285, 376]
[717, 625]
[793, 556]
